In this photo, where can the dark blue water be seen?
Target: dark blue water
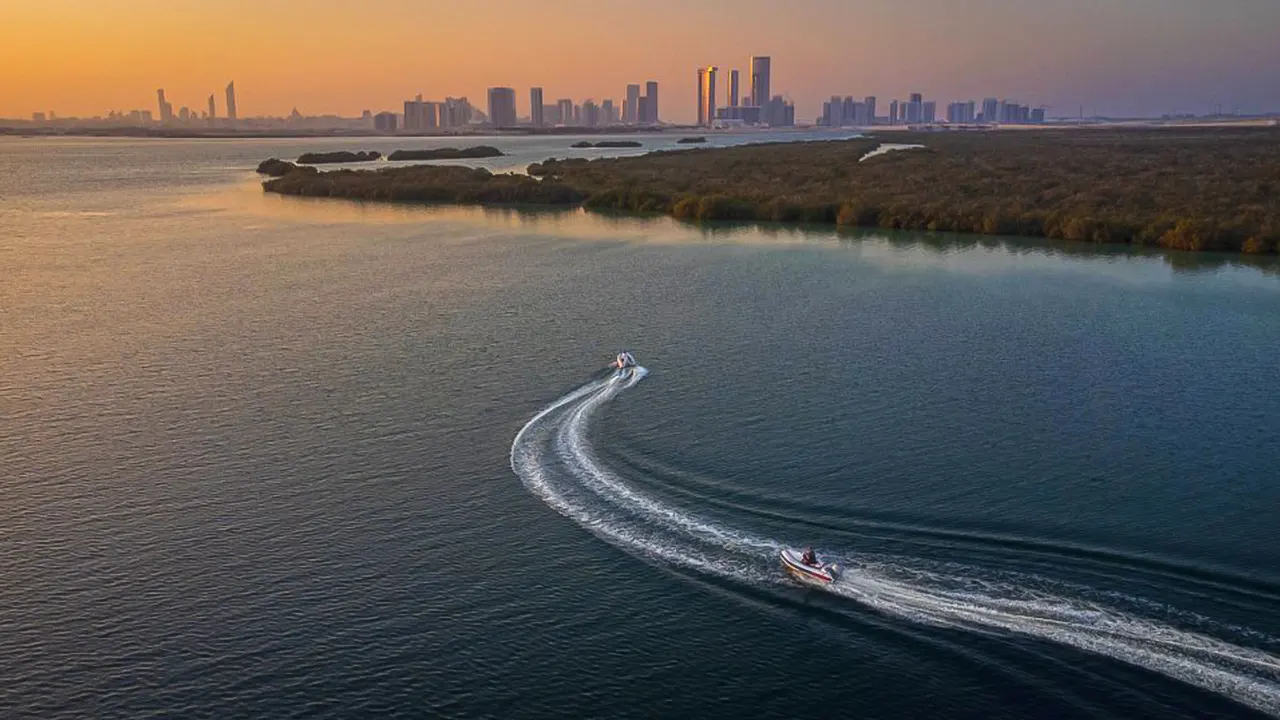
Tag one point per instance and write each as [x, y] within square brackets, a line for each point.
[270, 457]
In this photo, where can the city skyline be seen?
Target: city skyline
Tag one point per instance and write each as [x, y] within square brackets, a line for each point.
[82, 59]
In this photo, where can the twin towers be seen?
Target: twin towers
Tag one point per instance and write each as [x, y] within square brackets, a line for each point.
[749, 109]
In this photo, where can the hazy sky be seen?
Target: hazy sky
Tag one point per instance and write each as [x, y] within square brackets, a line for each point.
[85, 57]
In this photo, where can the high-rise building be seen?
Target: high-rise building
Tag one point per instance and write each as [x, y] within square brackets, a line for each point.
[385, 122]
[455, 112]
[915, 108]
[631, 106]
[733, 88]
[565, 111]
[1037, 115]
[710, 93]
[608, 113]
[535, 107]
[651, 103]
[166, 109]
[590, 113]
[213, 109]
[929, 112]
[779, 113]
[502, 107]
[231, 101]
[893, 112]
[990, 108]
[642, 107]
[760, 80]
[870, 103]
[702, 97]
[419, 116]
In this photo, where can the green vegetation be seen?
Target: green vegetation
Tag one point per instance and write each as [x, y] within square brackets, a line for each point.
[1189, 189]
[479, 151]
[426, 183]
[340, 156]
[275, 167]
[690, 140]
[607, 144]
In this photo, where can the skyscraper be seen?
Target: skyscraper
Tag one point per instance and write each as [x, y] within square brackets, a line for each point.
[990, 108]
[502, 107]
[166, 109]
[418, 115]
[231, 101]
[702, 97]
[213, 109]
[651, 102]
[631, 106]
[733, 88]
[608, 113]
[535, 106]
[760, 80]
[565, 106]
[870, 103]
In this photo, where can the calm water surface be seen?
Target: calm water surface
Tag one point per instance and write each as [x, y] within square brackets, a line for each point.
[271, 457]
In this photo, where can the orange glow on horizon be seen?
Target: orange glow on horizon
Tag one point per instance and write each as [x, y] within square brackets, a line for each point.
[86, 57]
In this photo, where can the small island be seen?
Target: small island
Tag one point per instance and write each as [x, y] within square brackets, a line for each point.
[1209, 189]
[448, 153]
[691, 140]
[339, 156]
[608, 144]
[275, 167]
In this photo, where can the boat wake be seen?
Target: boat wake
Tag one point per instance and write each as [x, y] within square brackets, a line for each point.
[554, 458]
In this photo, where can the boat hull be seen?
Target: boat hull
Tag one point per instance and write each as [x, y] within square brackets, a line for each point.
[791, 561]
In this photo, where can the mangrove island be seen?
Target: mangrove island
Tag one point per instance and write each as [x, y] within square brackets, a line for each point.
[607, 144]
[448, 153]
[339, 156]
[1189, 189]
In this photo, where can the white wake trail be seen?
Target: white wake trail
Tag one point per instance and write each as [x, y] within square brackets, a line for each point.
[554, 458]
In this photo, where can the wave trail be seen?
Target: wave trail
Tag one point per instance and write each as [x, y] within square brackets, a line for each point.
[554, 458]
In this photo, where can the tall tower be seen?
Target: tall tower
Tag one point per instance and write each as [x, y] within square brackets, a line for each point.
[502, 107]
[231, 101]
[631, 108]
[702, 97]
[166, 110]
[707, 113]
[759, 80]
[733, 88]
[213, 109]
[535, 106]
[651, 97]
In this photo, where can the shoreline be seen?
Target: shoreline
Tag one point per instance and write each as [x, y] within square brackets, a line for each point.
[1191, 189]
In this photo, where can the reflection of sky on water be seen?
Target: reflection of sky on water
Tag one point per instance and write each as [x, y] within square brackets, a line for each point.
[894, 250]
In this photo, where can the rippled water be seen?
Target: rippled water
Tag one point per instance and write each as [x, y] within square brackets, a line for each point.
[272, 457]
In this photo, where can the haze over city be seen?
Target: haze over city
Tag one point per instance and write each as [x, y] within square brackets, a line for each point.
[1118, 58]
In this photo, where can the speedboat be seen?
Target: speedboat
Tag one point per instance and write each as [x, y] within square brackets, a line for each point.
[623, 361]
[825, 573]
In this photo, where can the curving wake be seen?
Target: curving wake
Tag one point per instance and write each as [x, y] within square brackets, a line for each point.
[554, 459]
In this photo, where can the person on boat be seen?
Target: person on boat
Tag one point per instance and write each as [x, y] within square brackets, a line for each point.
[809, 557]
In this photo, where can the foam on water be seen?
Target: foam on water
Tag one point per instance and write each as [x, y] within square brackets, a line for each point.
[553, 457]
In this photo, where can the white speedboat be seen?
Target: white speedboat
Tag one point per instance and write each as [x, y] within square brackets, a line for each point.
[794, 562]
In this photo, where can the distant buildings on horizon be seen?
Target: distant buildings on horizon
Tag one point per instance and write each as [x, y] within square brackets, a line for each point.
[745, 101]
[756, 109]
[849, 112]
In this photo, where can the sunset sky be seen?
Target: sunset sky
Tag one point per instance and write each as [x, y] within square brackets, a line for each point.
[85, 57]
